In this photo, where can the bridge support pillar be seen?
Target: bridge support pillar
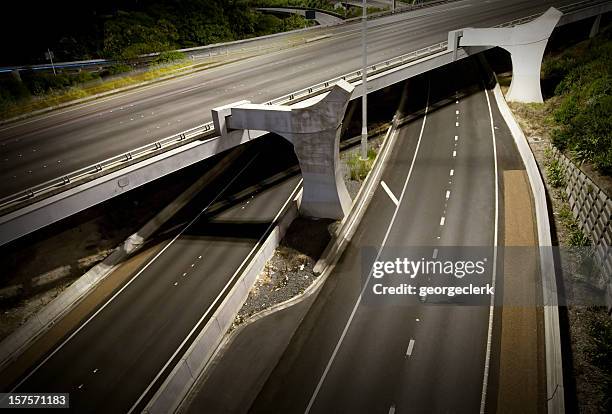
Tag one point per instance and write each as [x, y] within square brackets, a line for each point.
[313, 127]
[526, 44]
[595, 27]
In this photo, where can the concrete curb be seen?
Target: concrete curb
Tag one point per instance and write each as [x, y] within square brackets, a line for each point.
[185, 373]
[17, 342]
[326, 265]
[552, 336]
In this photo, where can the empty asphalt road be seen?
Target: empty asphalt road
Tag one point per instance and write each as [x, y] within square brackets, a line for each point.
[354, 353]
[131, 342]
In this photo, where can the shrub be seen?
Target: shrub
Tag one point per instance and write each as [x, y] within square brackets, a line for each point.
[555, 174]
[359, 168]
[169, 56]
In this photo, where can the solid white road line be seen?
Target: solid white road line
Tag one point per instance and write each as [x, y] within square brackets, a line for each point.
[485, 379]
[410, 348]
[365, 285]
[389, 192]
[134, 277]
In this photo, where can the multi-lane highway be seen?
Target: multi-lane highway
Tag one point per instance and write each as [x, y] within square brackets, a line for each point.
[352, 354]
[57, 143]
[131, 342]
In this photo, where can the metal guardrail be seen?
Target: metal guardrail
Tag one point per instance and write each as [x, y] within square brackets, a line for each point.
[568, 8]
[202, 132]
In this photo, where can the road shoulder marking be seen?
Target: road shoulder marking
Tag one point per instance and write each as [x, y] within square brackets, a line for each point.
[389, 193]
[410, 348]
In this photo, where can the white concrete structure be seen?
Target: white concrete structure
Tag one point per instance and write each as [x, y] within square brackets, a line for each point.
[526, 44]
[313, 127]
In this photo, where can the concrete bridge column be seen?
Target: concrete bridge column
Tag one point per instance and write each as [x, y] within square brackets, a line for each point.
[595, 27]
[313, 127]
[526, 44]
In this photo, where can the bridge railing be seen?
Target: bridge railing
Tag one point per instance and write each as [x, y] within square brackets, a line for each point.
[206, 131]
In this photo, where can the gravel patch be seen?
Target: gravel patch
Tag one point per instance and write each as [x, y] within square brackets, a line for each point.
[289, 271]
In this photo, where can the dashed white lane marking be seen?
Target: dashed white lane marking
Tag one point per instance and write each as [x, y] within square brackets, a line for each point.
[410, 348]
[447, 194]
[382, 246]
[175, 283]
[392, 409]
[454, 153]
[457, 112]
[434, 255]
[80, 386]
[456, 137]
[456, 124]
[456, 102]
[95, 370]
[418, 320]
[452, 172]
[442, 220]
[389, 193]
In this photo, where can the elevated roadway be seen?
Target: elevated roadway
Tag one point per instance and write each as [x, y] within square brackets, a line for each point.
[52, 145]
[38, 205]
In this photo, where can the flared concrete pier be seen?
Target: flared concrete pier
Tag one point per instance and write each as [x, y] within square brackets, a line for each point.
[313, 127]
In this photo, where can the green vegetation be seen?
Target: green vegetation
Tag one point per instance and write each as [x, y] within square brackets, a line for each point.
[163, 25]
[581, 78]
[16, 99]
[555, 174]
[359, 168]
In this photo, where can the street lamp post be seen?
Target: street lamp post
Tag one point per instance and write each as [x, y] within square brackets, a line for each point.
[364, 83]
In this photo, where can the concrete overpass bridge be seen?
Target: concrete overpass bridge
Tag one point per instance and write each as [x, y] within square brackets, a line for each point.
[37, 203]
[320, 16]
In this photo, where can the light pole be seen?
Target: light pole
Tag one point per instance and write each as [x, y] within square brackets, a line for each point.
[364, 83]
[49, 56]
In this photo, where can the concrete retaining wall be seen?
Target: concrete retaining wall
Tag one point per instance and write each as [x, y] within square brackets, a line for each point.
[555, 394]
[592, 208]
[192, 363]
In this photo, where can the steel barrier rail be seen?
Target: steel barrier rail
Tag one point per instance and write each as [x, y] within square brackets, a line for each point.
[204, 131]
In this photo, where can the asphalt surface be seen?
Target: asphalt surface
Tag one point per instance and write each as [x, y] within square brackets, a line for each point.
[352, 355]
[110, 360]
[51, 145]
